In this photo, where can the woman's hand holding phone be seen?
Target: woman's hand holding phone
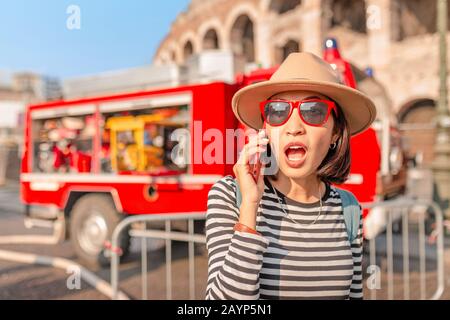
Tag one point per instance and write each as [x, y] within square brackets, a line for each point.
[251, 186]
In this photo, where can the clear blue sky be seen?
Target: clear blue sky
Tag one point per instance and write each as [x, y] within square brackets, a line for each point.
[114, 34]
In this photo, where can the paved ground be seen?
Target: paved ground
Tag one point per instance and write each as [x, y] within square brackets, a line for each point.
[20, 281]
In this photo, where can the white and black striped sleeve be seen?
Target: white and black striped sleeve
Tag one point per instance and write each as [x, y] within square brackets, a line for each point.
[235, 258]
[356, 288]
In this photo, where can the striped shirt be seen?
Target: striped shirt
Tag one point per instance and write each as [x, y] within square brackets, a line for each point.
[289, 259]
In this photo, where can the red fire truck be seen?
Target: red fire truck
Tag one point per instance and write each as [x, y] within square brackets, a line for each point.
[93, 161]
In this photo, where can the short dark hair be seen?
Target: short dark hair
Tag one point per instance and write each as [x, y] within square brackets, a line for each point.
[335, 167]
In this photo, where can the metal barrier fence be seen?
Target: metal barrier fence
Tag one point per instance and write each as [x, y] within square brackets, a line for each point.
[394, 210]
[404, 211]
[9, 161]
[168, 235]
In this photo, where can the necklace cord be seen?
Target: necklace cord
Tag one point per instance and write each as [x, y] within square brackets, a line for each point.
[287, 215]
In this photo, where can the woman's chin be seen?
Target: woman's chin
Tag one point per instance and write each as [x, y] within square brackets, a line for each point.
[294, 173]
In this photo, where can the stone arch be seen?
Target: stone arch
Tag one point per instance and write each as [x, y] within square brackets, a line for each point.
[188, 45]
[188, 50]
[350, 14]
[211, 26]
[242, 38]
[414, 18]
[409, 106]
[240, 30]
[164, 57]
[173, 56]
[267, 6]
[282, 51]
[174, 52]
[210, 40]
[241, 9]
[282, 6]
[416, 117]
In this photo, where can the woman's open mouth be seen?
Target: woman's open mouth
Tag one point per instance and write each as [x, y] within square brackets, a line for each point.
[295, 153]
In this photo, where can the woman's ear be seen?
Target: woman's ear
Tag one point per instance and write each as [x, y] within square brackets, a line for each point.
[334, 138]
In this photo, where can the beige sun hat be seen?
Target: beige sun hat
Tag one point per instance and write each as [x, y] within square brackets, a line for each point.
[305, 71]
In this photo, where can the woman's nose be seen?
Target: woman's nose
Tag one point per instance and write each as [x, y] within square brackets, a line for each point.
[295, 125]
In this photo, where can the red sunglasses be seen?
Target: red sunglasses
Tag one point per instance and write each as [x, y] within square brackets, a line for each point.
[313, 112]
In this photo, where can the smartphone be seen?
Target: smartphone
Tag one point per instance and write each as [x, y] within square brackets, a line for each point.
[256, 169]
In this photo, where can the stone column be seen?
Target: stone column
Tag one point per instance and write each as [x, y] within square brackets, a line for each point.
[312, 28]
[263, 42]
[378, 23]
[441, 163]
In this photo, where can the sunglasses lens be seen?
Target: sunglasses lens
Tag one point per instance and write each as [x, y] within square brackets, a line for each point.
[276, 112]
[314, 112]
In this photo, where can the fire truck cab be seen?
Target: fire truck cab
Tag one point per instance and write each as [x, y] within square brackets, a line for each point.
[127, 145]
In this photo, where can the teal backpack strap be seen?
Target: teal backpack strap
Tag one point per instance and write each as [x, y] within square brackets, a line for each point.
[238, 194]
[352, 213]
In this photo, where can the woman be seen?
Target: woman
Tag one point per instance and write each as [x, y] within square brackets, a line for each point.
[287, 239]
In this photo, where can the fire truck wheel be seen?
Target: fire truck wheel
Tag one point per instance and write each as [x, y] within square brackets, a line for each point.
[93, 219]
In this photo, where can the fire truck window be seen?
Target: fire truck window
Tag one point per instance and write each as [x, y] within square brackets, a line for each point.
[63, 145]
[141, 140]
[127, 151]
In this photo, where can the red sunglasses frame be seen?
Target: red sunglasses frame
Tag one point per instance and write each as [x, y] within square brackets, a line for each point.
[296, 104]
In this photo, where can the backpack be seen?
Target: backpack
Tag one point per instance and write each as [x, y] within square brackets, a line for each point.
[349, 204]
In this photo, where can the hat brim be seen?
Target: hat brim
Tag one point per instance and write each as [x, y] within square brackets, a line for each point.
[358, 109]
